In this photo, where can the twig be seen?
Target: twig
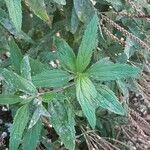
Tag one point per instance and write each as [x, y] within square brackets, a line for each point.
[125, 32]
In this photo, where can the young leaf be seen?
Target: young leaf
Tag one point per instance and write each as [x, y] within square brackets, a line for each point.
[18, 83]
[19, 124]
[15, 12]
[15, 55]
[9, 99]
[109, 101]
[25, 68]
[66, 54]
[51, 78]
[39, 9]
[61, 2]
[62, 119]
[86, 94]
[88, 44]
[109, 71]
[31, 137]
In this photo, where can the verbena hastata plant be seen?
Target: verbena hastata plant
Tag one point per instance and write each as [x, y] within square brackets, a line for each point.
[88, 70]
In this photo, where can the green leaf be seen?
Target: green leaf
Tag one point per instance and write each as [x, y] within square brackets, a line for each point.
[18, 83]
[25, 68]
[74, 21]
[36, 66]
[109, 101]
[123, 89]
[31, 137]
[88, 44]
[49, 96]
[62, 119]
[66, 54]
[15, 55]
[9, 99]
[39, 9]
[15, 12]
[109, 71]
[40, 111]
[61, 2]
[51, 78]
[9, 26]
[19, 123]
[86, 94]
[84, 9]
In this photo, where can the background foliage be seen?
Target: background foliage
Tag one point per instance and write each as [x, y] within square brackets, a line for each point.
[67, 67]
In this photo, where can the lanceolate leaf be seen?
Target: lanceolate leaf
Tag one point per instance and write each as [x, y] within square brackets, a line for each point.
[84, 9]
[36, 66]
[19, 123]
[49, 96]
[109, 101]
[9, 99]
[62, 119]
[18, 83]
[38, 7]
[106, 71]
[51, 78]
[86, 94]
[66, 54]
[25, 68]
[9, 26]
[74, 21]
[31, 137]
[88, 44]
[15, 55]
[15, 12]
[40, 111]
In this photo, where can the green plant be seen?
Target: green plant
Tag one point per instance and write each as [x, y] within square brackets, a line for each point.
[82, 84]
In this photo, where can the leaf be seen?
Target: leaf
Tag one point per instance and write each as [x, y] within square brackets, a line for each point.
[31, 137]
[25, 68]
[66, 54]
[15, 12]
[74, 21]
[51, 78]
[18, 83]
[15, 55]
[123, 89]
[130, 47]
[86, 94]
[9, 99]
[109, 71]
[61, 2]
[88, 44]
[20, 121]
[36, 66]
[40, 111]
[84, 9]
[62, 119]
[39, 9]
[109, 101]
[9, 26]
[49, 96]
